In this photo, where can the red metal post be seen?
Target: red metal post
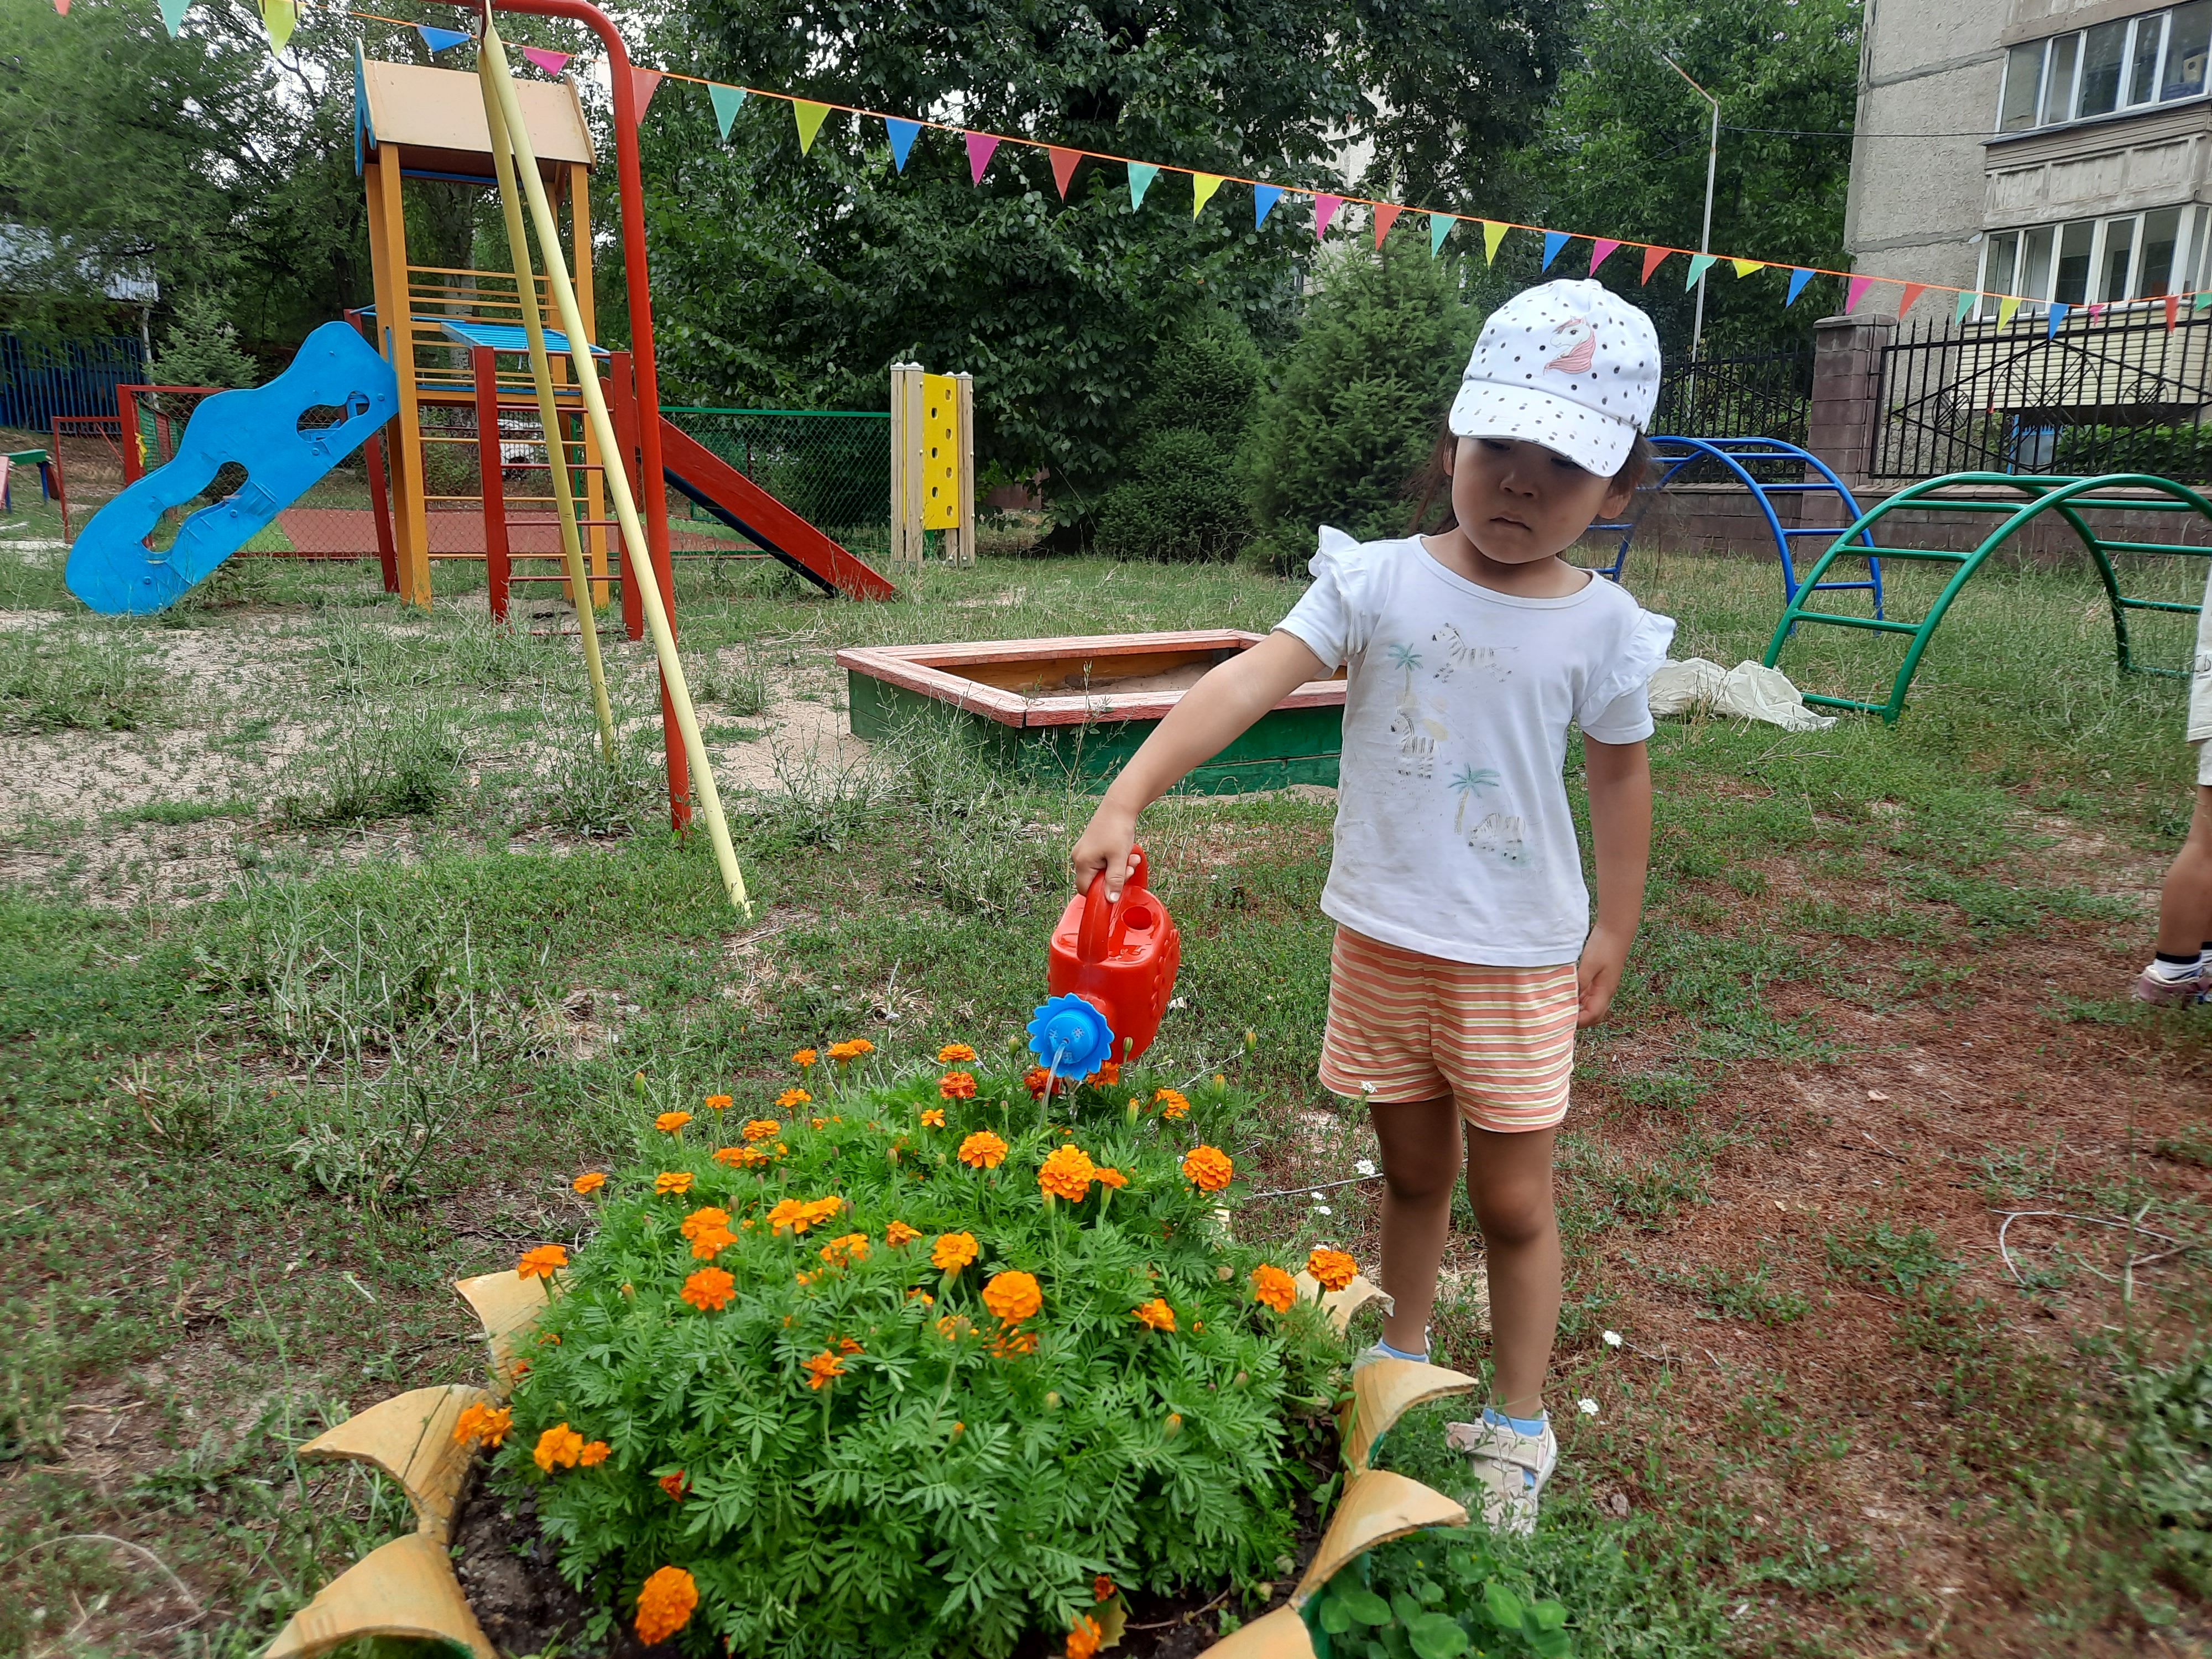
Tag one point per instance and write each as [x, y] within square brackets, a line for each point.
[126, 410]
[497, 568]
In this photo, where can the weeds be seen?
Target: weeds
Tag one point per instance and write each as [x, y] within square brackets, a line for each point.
[394, 762]
[1900, 1263]
[74, 681]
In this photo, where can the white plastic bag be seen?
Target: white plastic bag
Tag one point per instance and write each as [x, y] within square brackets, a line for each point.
[1748, 691]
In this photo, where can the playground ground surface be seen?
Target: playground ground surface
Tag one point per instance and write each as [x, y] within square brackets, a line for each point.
[291, 841]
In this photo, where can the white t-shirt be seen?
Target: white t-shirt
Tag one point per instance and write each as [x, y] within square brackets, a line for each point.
[1454, 837]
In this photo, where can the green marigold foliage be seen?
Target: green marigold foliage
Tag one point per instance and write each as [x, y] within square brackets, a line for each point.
[851, 1451]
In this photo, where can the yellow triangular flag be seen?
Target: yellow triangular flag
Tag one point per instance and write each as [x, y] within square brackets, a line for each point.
[1492, 234]
[1202, 186]
[1745, 267]
[809, 115]
[280, 18]
[2006, 307]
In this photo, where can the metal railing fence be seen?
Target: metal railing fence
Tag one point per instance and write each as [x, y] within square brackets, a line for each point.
[1766, 394]
[832, 467]
[40, 381]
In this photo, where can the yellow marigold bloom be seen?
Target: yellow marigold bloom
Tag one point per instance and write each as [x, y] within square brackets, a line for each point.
[595, 1452]
[672, 1180]
[1333, 1268]
[1083, 1641]
[740, 1158]
[899, 1233]
[957, 1086]
[670, 1122]
[845, 1250]
[488, 1424]
[708, 1219]
[952, 1252]
[1156, 1314]
[983, 1150]
[1172, 1103]
[559, 1446]
[804, 1058]
[1208, 1168]
[762, 1128]
[590, 1181]
[1272, 1287]
[718, 1103]
[542, 1262]
[1013, 1296]
[789, 1098]
[954, 1054]
[1067, 1173]
[665, 1605]
[933, 1117]
[823, 1370]
[1113, 1178]
[709, 1289]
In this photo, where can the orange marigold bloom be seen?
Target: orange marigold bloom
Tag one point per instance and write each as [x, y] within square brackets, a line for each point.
[1156, 1314]
[559, 1446]
[1113, 1178]
[1012, 1344]
[952, 1252]
[957, 1086]
[824, 1369]
[1333, 1268]
[665, 1605]
[1208, 1168]
[740, 1158]
[789, 1098]
[542, 1262]
[670, 1122]
[820, 1123]
[709, 1218]
[1172, 1103]
[983, 1150]
[672, 1180]
[594, 1453]
[1272, 1287]
[709, 1289]
[1108, 1073]
[1067, 1173]
[1101, 1588]
[590, 1181]
[480, 1422]
[933, 1117]
[899, 1233]
[1012, 1295]
[953, 1053]
[718, 1103]
[843, 1252]
[1083, 1641]
[850, 1050]
[800, 1214]
[712, 1241]
[804, 1058]
[762, 1128]
[677, 1485]
[1036, 1078]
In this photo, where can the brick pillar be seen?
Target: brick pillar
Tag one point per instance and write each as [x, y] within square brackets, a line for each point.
[1846, 385]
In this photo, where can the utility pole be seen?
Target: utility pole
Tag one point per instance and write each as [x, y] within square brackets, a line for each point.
[1706, 238]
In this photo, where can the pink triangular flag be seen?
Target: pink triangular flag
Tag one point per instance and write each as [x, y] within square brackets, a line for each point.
[643, 83]
[551, 61]
[1853, 289]
[1325, 207]
[1386, 215]
[1653, 258]
[62, 6]
[1064, 163]
[981, 145]
[1600, 247]
[2095, 312]
[1912, 291]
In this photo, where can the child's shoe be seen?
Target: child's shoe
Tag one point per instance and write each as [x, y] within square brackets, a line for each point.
[1510, 1466]
[1384, 1351]
[2168, 982]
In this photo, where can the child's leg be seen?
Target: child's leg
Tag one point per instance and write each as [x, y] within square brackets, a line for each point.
[1508, 1181]
[1421, 1146]
[2184, 910]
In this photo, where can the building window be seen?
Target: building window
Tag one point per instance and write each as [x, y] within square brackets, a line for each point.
[2129, 64]
[2128, 257]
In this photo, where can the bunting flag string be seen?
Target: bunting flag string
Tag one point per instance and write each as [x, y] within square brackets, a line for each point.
[643, 83]
[1325, 206]
[1745, 267]
[554, 61]
[1912, 291]
[1264, 197]
[727, 101]
[1202, 186]
[1798, 278]
[981, 146]
[1554, 241]
[1653, 258]
[902, 137]
[1965, 305]
[2053, 317]
[1064, 163]
[1493, 233]
[1141, 174]
[1386, 215]
[808, 115]
[1853, 290]
[2006, 307]
[1440, 226]
[1600, 248]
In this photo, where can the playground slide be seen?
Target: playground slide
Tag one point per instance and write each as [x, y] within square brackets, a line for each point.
[267, 430]
[744, 505]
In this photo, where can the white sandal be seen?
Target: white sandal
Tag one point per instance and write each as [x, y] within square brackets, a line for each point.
[1503, 1462]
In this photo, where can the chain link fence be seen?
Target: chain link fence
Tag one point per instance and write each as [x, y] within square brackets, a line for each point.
[832, 467]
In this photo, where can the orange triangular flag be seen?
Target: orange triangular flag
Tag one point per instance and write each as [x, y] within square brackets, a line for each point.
[643, 83]
[1064, 163]
[1386, 215]
[2172, 310]
[1653, 258]
[1912, 291]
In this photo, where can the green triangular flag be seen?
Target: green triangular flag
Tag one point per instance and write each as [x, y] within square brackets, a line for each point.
[727, 100]
[2201, 301]
[1493, 233]
[809, 115]
[172, 15]
[1440, 226]
[1141, 174]
[1699, 264]
[1965, 305]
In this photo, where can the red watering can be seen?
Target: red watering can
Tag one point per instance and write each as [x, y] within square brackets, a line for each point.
[1114, 959]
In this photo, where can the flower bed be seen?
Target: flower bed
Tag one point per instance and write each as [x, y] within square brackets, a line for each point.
[917, 1365]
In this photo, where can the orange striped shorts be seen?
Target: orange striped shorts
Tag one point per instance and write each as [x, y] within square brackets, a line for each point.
[1403, 1027]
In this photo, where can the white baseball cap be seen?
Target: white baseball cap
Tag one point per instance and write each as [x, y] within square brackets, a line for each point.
[1571, 366]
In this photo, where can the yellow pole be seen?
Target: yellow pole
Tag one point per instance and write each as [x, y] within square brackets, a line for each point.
[548, 415]
[638, 565]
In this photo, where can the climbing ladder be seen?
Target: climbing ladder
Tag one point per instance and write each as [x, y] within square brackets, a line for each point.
[2013, 501]
[1736, 458]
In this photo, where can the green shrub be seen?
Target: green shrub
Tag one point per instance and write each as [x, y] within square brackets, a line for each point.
[1362, 397]
[850, 1450]
[1184, 496]
[201, 346]
[1437, 1596]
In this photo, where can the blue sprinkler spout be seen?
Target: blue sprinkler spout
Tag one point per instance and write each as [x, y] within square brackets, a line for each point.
[1070, 1027]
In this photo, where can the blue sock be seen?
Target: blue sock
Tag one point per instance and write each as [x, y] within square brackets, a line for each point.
[1531, 1426]
[1420, 1358]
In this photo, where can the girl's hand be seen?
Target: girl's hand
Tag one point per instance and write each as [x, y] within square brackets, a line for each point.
[1104, 845]
[1598, 974]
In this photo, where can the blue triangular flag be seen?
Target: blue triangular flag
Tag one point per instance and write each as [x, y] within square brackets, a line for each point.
[2057, 316]
[902, 134]
[438, 39]
[1440, 226]
[1141, 174]
[1264, 197]
[726, 100]
[1798, 278]
[1554, 241]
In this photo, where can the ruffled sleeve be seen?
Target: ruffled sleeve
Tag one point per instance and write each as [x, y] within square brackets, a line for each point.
[1616, 706]
[1334, 617]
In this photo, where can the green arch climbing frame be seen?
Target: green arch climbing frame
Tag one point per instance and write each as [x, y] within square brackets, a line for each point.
[2027, 498]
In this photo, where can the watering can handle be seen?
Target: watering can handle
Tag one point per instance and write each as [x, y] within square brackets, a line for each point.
[1096, 934]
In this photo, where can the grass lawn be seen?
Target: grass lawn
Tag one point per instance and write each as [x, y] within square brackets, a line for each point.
[332, 949]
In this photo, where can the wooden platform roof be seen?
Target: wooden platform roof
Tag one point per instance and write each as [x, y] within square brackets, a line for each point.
[436, 117]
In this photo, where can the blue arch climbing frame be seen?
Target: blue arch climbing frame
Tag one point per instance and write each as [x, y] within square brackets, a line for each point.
[2029, 498]
[1673, 454]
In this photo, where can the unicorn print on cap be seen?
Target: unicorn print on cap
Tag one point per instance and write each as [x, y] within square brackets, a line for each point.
[1580, 335]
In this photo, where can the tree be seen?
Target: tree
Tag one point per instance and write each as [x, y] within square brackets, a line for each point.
[201, 348]
[1184, 495]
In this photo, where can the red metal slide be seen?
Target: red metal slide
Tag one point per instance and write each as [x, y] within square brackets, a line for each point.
[744, 505]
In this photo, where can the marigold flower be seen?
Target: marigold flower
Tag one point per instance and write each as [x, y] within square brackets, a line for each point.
[952, 1252]
[1108, 1074]
[1172, 1103]
[665, 1605]
[1012, 1295]
[1011, 1344]
[1271, 1288]
[488, 1424]
[933, 1117]
[820, 1123]
[672, 1180]
[1037, 1077]
[953, 1327]
[712, 1241]
[594, 1453]
[762, 1128]
[678, 1485]
[1333, 1268]
[542, 1262]
[957, 1086]
[1156, 1314]
[899, 1233]
[1083, 1640]
[1207, 1168]
[1067, 1173]
[709, 1218]
[824, 1369]
[590, 1181]
[789, 1098]
[560, 1446]
[954, 1053]
[1101, 1588]
[670, 1122]
[917, 1294]
[800, 1214]
[851, 1049]
[845, 1251]
[1107, 1178]
[718, 1103]
[740, 1158]
[983, 1150]
[709, 1289]
[804, 1058]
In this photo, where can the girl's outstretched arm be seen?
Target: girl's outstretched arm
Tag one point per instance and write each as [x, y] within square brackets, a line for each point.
[1206, 720]
[1619, 776]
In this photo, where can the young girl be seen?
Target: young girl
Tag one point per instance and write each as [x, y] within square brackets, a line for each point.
[2182, 970]
[1464, 957]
